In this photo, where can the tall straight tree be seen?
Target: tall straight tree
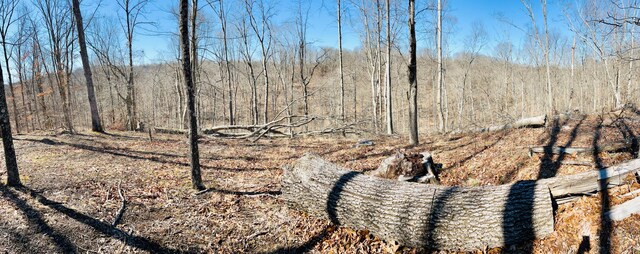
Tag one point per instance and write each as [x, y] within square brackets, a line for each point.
[442, 125]
[342, 112]
[196, 178]
[133, 11]
[389, 107]
[13, 176]
[96, 125]
[413, 81]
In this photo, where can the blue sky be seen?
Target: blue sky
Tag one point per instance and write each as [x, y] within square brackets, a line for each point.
[323, 27]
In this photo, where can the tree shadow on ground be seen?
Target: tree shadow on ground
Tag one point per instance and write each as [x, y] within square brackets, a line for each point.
[35, 219]
[548, 166]
[604, 239]
[138, 155]
[333, 199]
[101, 227]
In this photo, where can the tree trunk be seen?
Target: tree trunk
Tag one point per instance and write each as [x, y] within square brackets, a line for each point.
[413, 80]
[11, 87]
[96, 124]
[442, 125]
[196, 178]
[389, 109]
[342, 106]
[13, 175]
[420, 215]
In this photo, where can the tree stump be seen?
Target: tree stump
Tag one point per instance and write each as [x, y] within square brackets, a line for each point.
[415, 167]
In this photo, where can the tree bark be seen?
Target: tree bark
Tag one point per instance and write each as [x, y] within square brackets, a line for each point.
[196, 178]
[96, 124]
[341, 66]
[389, 108]
[13, 175]
[442, 125]
[420, 215]
[413, 80]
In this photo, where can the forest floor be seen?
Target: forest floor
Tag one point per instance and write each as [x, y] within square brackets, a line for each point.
[71, 188]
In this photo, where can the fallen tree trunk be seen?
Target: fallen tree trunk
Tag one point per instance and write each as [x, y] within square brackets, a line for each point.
[529, 122]
[169, 131]
[568, 188]
[612, 147]
[421, 215]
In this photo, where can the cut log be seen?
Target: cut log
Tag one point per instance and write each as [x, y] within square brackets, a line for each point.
[421, 215]
[624, 210]
[612, 147]
[567, 188]
[631, 193]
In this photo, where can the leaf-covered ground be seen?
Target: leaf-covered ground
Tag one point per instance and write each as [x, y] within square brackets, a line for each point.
[71, 196]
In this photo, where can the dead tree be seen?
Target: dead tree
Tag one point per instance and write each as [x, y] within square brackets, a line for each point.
[96, 124]
[196, 178]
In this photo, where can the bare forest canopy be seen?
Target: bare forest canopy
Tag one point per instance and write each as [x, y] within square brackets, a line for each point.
[253, 65]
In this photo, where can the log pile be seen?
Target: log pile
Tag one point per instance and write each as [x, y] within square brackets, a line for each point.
[422, 215]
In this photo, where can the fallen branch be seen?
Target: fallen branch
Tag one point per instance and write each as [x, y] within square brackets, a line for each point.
[568, 188]
[120, 213]
[612, 147]
[631, 193]
[624, 210]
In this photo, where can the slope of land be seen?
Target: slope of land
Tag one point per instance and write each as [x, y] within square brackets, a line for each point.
[71, 194]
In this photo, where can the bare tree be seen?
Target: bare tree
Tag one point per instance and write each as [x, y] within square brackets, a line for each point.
[413, 81]
[389, 108]
[442, 125]
[54, 14]
[133, 12]
[7, 10]
[262, 28]
[96, 124]
[196, 178]
[342, 106]
[224, 56]
[13, 175]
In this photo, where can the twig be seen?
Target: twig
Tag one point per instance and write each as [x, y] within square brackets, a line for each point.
[118, 217]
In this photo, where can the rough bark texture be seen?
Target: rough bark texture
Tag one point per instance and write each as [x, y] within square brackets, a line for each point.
[13, 176]
[413, 79]
[420, 215]
[96, 125]
[196, 178]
